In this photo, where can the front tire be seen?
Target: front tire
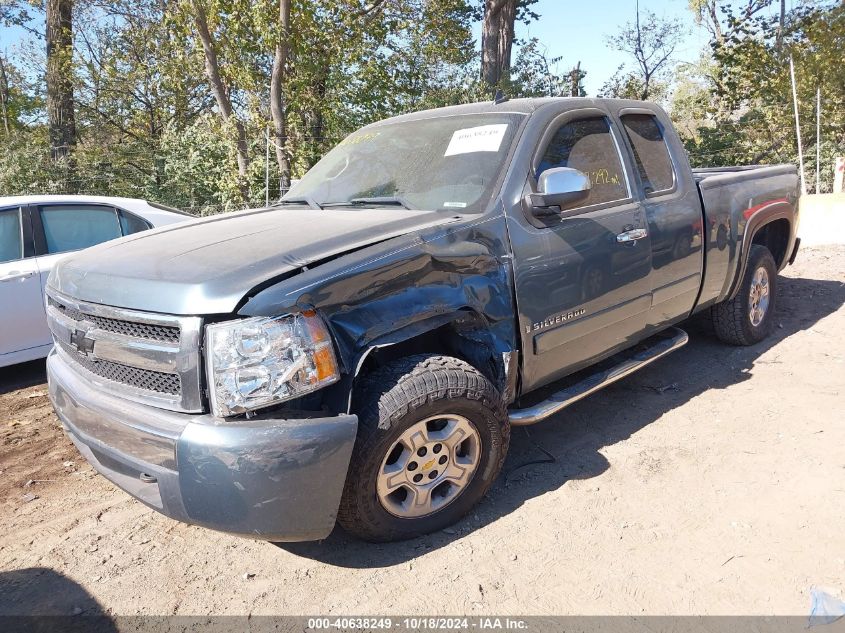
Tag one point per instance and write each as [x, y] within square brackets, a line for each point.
[748, 318]
[432, 437]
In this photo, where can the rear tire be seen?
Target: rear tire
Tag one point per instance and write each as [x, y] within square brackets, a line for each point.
[431, 429]
[748, 318]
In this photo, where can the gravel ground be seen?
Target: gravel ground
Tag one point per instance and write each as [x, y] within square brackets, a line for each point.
[712, 482]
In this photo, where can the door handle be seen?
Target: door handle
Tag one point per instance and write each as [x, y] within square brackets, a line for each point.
[15, 275]
[631, 236]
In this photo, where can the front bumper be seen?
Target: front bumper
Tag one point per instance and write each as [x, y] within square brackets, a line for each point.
[272, 479]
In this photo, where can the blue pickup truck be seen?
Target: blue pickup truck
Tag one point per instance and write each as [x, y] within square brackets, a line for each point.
[359, 352]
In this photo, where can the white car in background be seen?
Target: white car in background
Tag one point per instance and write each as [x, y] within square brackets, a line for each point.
[37, 231]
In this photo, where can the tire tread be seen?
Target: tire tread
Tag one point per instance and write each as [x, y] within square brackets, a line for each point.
[730, 318]
[390, 393]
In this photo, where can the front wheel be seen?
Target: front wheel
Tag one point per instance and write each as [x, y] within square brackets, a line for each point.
[748, 318]
[432, 438]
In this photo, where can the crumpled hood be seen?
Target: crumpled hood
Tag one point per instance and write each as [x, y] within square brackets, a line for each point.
[206, 266]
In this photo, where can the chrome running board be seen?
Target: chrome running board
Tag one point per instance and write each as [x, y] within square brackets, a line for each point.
[669, 341]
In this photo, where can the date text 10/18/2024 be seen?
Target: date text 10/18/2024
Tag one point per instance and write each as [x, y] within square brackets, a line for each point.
[418, 624]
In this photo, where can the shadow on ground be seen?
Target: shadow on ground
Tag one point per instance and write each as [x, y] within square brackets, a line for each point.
[41, 599]
[22, 375]
[576, 436]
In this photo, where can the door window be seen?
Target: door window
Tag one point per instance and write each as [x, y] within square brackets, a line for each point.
[11, 235]
[132, 223]
[73, 227]
[650, 152]
[588, 146]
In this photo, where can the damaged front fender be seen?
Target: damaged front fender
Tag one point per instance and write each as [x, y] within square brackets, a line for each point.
[457, 276]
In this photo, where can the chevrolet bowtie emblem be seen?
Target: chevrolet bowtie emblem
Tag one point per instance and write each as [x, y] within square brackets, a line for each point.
[80, 340]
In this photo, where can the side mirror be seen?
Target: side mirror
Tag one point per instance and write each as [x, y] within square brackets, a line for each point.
[558, 189]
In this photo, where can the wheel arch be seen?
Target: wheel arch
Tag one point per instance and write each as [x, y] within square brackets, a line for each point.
[772, 226]
[463, 334]
[775, 235]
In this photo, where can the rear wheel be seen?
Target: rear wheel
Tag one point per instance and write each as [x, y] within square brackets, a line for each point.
[748, 318]
[432, 437]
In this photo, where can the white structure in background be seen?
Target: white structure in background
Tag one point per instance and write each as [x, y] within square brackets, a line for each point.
[839, 175]
[37, 231]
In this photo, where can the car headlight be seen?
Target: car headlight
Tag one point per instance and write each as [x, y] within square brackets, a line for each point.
[260, 361]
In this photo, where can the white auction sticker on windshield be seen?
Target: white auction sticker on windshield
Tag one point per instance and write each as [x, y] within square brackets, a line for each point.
[484, 138]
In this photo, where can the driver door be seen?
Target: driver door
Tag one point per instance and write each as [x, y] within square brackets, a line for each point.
[582, 277]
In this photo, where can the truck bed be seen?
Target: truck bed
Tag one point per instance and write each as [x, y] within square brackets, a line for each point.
[731, 198]
[701, 173]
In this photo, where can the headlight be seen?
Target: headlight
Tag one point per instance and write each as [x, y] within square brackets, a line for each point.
[256, 362]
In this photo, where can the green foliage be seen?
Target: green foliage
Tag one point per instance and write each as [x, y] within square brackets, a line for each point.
[19, 106]
[535, 74]
[622, 85]
[16, 12]
[746, 113]
[195, 167]
[23, 164]
[148, 124]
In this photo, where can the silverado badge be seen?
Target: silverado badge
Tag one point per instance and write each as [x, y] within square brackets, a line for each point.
[554, 320]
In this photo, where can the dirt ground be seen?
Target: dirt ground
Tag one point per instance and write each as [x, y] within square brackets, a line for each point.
[712, 482]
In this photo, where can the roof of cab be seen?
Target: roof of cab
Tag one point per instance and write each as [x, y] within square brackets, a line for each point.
[518, 106]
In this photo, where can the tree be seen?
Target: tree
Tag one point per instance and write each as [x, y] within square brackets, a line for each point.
[752, 119]
[624, 84]
[172, 98]
[19, 13]
[651, 41]
[136, 76]
[497, 37]
[706, 13]
[312, 49]
[352, 64]
[535, 74]
[277, 98]
[59, 78]
[221, 91]
[5, 96]
[497, 31]
[576, 81]
[692, 104]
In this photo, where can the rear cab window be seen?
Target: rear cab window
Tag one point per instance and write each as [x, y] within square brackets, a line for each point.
[651, 153]
[588, 145]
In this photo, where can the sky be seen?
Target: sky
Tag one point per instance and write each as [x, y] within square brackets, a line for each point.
[576, 30]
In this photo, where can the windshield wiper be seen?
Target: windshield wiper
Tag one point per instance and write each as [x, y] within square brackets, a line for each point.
[299, 200]
[375, 201]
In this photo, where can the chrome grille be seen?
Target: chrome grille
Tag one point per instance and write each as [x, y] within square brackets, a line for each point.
[145, 379]
[127, 328]
[141, 356]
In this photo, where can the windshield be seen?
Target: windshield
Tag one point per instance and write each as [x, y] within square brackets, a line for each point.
[439, 163]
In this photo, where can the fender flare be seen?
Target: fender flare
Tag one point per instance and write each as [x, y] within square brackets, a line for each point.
[757, 217]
